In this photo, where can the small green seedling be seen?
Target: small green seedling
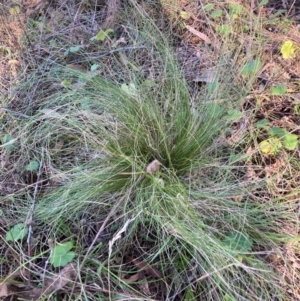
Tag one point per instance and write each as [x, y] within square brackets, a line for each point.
[279, 138]
[235, 10]
[17, 232]
[216, 14]
[130, 89]
[288, 49]
[32, 166]
[251, 68]
[72, 49]
[102, 35]
[234, 115]
[8, 141]
[290, 141]
[270, 146]
[61, 254]
[208, 7]
[15, 10]
[278, 90]
[238, 242]
[263, 123]
[297, 109]
[94, 67]
[185, 15]
[65, 83]
[224, 29]
[263, 2]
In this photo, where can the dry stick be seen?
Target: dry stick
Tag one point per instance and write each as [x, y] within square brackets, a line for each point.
[108, 217]
[31, 211]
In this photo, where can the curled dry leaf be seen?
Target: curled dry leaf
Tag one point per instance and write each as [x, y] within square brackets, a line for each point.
[199, 34]
[4, 292]
[153, 167]
[131, 279]
[143, 266]
[60, 280]
[206, 76]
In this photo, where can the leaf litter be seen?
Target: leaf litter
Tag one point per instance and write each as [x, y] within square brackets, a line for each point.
[56, 283]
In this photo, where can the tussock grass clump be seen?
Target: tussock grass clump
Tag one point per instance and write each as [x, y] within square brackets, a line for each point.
[99, 133]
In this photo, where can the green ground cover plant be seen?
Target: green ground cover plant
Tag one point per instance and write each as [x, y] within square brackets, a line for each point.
[133, 192]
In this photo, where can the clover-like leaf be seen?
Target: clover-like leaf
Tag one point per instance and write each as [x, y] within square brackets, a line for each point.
[277, 132]
[263, 2]
[208, 7]
[217, 13]
[238, 242]
[270, 146]
[234, 115]
[17, 232]
[184, 15]
[15, 10]
[251, 68]
[33, 166]
[102, 35]
[94, 67]
[278, 90]
[262, 123]
[8, 140]
[290, 141]
[224, 29]
[288, 49]
[235, 9]
[129, 89]
[74, 49]
[61, 254]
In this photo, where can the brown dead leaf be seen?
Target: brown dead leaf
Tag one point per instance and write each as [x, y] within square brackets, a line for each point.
[62, 279]
[58, 146]
[4, 291]
[57, 283]
[153, 167]
[144, 286]
[132, 278]
[206, 76]
[143, 266]
[237, 198]
[199, 34]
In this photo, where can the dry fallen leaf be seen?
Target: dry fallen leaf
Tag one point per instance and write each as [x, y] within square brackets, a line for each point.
[132, 278]
[153, 167]
[206, 76]
[4, 291]
[199, 34]
[143, 285]
[146, 267]
[60, 280]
